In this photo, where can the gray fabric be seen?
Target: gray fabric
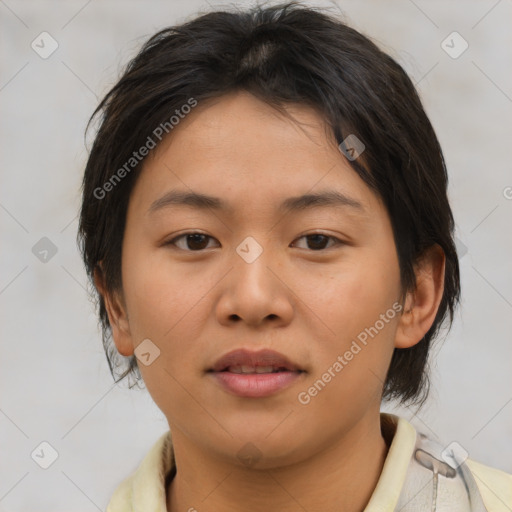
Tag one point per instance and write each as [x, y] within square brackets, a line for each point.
[438, 484]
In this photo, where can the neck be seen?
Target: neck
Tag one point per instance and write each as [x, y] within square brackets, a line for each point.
[340, 477]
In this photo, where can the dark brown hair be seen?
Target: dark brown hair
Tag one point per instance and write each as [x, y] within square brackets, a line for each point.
[284, 54]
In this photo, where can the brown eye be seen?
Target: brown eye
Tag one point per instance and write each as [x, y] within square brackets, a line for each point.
[192, 242]
[318, 241]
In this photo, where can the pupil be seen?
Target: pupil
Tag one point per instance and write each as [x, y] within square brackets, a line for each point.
[192, 239]
[317, 239]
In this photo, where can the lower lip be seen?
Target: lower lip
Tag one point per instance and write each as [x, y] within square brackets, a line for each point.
[255, 385]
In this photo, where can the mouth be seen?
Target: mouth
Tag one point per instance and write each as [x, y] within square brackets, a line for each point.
[255, 374]
[247, 361]
[255, 369]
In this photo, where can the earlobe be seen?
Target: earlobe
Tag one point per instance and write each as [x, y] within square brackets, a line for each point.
[422, 304]
[117, 315]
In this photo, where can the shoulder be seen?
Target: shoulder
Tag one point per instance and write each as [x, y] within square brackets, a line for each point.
[145, 488]
[121, 499]
[494, 485]
[474, 483]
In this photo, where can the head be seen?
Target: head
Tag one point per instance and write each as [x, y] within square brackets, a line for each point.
[255, 108]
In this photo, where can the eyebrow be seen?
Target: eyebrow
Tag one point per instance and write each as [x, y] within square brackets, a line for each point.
[326, 198]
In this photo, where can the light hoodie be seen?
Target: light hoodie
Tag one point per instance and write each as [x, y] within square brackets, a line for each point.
[418, 475]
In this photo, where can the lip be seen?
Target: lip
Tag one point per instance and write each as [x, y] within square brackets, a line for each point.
[255, 385]
[243, 357]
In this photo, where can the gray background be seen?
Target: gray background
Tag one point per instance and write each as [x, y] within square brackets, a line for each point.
[54, 381]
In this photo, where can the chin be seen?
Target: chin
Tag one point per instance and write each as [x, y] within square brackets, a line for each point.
[262, 445]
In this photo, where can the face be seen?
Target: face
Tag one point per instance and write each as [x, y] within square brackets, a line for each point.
[317, 282]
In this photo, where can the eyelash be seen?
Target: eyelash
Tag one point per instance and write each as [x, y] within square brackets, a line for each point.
[184, 235]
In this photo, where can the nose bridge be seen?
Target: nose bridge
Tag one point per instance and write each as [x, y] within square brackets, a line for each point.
[253, 257]
[253, 292]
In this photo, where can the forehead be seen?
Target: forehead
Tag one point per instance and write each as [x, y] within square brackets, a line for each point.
[242, 123]
[237, 146]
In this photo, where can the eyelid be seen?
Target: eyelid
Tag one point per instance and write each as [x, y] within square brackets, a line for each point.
[172, 241]
[337, 240]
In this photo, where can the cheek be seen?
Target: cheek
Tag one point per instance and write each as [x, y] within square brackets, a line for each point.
[353, 294]
[355, 301]
[169, 304]
[164, 305]
[158, 293]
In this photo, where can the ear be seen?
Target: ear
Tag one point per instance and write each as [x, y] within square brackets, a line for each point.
[422, 304]
[117, 314]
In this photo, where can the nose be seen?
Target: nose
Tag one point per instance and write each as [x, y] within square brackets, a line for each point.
[256, 291]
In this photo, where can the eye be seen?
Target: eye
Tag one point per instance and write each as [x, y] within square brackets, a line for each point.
[192, 242]
[196, 241]
[317, 241]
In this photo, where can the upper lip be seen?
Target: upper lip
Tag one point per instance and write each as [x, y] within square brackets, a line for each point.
[243, 357]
